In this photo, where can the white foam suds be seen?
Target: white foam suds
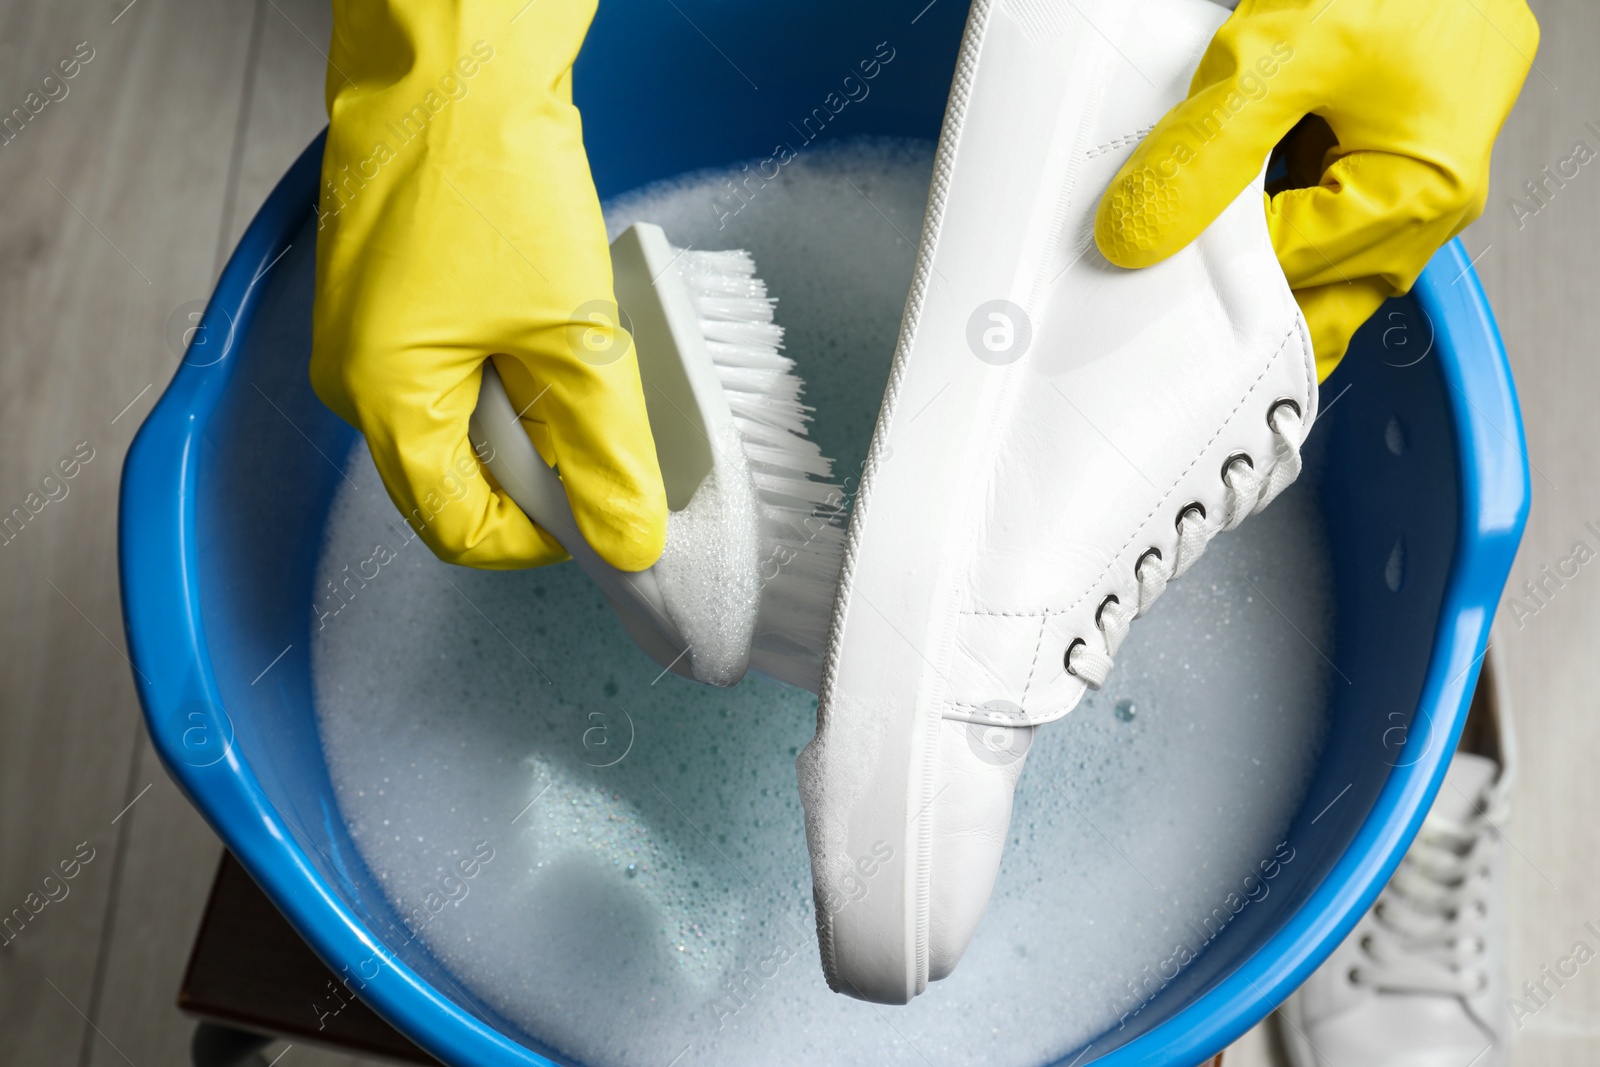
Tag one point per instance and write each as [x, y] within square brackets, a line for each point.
[648, 895]
[709, 570]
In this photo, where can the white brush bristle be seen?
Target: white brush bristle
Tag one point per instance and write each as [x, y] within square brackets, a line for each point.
[801, 509]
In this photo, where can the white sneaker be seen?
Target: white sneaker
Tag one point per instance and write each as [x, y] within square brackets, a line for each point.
[1059, 438]
[1421, 980]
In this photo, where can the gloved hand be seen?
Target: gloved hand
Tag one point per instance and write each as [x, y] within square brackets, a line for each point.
[459, 222]
[1415, 92]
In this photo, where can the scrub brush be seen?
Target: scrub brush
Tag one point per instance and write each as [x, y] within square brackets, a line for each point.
[754, 531]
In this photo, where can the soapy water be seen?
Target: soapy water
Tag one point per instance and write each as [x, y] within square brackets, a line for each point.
[647, 894]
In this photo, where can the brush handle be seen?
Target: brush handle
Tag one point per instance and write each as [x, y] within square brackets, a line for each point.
[496, 432]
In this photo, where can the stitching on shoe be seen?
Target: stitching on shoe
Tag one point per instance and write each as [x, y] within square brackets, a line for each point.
[1308, 357]
[963, 711]
[1047, 612]
[1033, 668]
[1119, 142]
[1010, 614]
[1117, 555]
[952, 702]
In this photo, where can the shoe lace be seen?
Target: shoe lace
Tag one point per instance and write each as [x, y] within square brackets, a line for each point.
[1248, 490]
[1427, 929]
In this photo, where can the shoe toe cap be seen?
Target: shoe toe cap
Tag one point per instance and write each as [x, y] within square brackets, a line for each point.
[971, 812]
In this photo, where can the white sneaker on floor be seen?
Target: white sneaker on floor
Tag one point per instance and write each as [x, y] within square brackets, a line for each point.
[1059, 438]
[1421, 980]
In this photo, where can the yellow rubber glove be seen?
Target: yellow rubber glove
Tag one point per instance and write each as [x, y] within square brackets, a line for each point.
[1415, 91]
[458, 221]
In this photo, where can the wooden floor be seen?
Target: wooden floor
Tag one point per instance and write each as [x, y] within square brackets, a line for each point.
[117, 203]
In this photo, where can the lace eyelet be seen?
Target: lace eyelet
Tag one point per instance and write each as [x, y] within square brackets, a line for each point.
[1236, 457]
[1366, 944]
[1193, 505]
[1101, 610]
[1139, 563]
[1282, 401]
[1066, 660]
[1354, 976]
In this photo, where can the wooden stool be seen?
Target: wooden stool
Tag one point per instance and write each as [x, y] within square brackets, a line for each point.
[251, 980]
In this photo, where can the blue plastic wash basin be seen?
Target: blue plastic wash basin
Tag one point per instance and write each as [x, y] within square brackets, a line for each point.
[226, 490]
